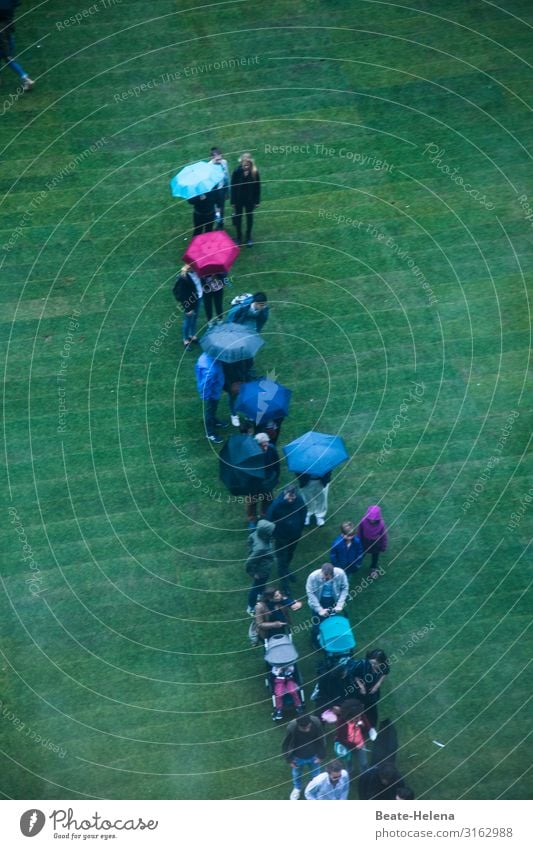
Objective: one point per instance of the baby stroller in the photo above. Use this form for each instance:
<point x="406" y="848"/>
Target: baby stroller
<point x="336" y="637"/>
<point x="283" y="677"/>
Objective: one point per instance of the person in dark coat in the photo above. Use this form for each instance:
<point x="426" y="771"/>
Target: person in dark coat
<point x="245" y="195"/>
<point x="368" y="676"/>
<point x="188" y="292"/>
<point x="287" y="511"/>
<point x="7" y="42"/>
<point x="380" y="782"/>
<point x="346" y="550"/>
<point x="263" y="493"/>
<point x="203" y="216"/>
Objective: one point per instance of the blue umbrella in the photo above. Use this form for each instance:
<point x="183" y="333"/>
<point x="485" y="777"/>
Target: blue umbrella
<point x="315" y="453"/>
<point x="231" y="343"/>
<point x="262" y="400"/>
<point x="196" y="179"/>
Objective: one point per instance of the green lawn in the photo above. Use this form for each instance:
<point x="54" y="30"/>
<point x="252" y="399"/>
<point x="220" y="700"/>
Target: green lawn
<point x="128" y="653"/>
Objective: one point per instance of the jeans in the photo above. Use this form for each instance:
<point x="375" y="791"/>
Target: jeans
<point x="7" y="48"/>
<point x="210" y="416"/>
<point x="361" y="756"/>
<point x="189" y="321"/>
<point x="256" y="590"/>
<point x="297" y="770"/>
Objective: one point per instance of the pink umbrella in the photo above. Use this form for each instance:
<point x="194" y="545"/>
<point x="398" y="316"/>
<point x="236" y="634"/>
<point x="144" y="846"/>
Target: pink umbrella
<point x="211" y="253"/>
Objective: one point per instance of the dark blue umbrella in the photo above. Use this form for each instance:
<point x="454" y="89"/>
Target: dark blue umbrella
<point x="242" y="465"/>
<point x="315" y="453"/>
<point x="262" y="400"/>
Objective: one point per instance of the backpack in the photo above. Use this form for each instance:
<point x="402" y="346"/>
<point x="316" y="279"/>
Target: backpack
<point x="241" y="299"/>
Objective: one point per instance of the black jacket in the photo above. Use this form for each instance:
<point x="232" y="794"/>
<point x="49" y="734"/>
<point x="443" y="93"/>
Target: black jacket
<point x="297" y="744"/>
<point x="245" y="190"/>
<point x="289" y="517"/>
<point x="185" y="291"/>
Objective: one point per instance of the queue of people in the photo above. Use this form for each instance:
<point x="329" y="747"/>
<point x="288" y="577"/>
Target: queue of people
<point x="347" y="692"/>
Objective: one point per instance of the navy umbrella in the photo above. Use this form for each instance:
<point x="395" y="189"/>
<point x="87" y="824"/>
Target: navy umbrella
<point x="262" y="400"/>
<point x="242" y="465"/>
<point x="315" y="453"/>
<point x="231" y="342"/>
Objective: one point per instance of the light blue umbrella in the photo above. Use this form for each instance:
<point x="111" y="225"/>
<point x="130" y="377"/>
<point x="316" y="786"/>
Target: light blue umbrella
<point x="315" y="453"/>
<point x="196" y="179"/>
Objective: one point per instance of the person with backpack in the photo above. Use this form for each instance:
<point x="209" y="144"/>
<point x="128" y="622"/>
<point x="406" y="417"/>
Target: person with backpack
<point x="303" y="746"/>
<point x="209" y="382"/>
<point x="245" y="195"/>
<point x="252" y="311"/>
<point x="7" y="42"/>
<point x="260" y="560"/>
<point x="188" y="292"/>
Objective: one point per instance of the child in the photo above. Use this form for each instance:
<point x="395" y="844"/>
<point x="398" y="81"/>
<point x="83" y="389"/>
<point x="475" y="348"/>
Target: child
<point x="209" y="381"/>
<point x="352" y="729"/>
<point x="347" y="550"/>
<point x="284" y="683"/>
<point x="373" y="535"/>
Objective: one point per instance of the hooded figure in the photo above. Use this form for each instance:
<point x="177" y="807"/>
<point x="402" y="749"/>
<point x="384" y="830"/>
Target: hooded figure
<point x="260" y="560"/>
<point x="373" y="536"/>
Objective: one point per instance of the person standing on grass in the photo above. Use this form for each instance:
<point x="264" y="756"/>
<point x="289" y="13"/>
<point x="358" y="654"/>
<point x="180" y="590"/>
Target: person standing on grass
<point x="347" y="550"/>
<point x="303" y="746"/>
<point x="368" y="676"/>
<point x="373" y="536"/>
<point x="7" y="42"/>
<point x="221" y="190"/>
<point x="203" y="216"/>
<point x="245" y="195"/>
<point x="327" y="590"/>
<point x="314" y="492"/>
<point x="330" y="785"/>
<point x="260" y="560"/>
<point x="188" y="292"/>
<point x="252" y="312"/>
<point x="263" y="494"/>
<point x="272" y="613"/>
<point x="351" y="733"/>
<point x="209" y="381"/>
<point x="213" y="292"/>
<point x="287" y="511"/>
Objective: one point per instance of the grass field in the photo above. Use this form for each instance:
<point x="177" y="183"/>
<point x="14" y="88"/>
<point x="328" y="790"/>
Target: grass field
<point x="394" y="241"/>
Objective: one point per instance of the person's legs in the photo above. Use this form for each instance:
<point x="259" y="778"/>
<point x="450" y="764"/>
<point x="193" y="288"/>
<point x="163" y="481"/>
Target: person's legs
<point x="249" y="222"/>
<point x="251" y="509"/>
<point x="292" y="688"/>
<point x="197" y="223"/>
<point x="238" y="221"/>
<point x="218" y="298"/>
<point x="279" y="691"/>
<point x="194" y="318"/>
<point x="208" y="305"/>
<point x="187" y="327"/>
<point x="256" y="590"/>
<point x="210" y="416"/>
<point x="7" y="49"/>
<point x="362" y="760"/>
<point x="297" y="772"/>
